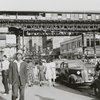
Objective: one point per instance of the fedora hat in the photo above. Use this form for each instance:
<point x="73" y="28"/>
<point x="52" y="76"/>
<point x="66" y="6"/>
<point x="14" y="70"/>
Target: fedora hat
<point x="19" y="52"/>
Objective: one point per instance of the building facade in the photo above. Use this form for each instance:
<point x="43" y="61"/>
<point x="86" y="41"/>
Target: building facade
<point x="51" y="45"/>
<point x="7" y="45"/>
<point x="73" y="47"/>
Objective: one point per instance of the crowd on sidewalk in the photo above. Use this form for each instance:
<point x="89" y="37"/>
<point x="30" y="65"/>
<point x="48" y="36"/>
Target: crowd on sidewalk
<point x="19" y="73"/>
<point x="42" y="71"/>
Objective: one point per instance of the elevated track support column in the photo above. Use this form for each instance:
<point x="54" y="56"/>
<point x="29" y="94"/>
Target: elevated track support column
<point x="17" y="42"/>
<point x="23" y="40"/>
<point x="83" y="48"/>
<point x="94" y="45"/>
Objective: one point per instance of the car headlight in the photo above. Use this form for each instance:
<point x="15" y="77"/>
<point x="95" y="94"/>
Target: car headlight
<point x="78" y="72"/>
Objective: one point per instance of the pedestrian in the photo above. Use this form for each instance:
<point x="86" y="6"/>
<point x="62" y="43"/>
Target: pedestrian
<point x="48" y="72"/>
<point x="5" y="67"/>
<point x="44" y="64"/>
<point x="36" y="71"/>
<point x="97" y="69"/>
<point x="53" y="70"/>
<point x="18" y="76"/>
<point x="41" y="73"/>
<point x="10" y="67"/>
<point x="30" y="73"/>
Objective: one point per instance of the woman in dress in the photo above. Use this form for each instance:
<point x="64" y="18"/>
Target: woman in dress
<point x="48" y="72"/>
<point x="35" y="69"/>
<point x="53" y="70"/>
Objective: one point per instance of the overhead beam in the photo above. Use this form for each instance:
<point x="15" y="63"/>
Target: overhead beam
<point x="35" y="12"/>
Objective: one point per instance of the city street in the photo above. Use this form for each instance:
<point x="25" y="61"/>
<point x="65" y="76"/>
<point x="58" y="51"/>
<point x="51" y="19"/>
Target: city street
<point x="50" y="41"/>
<point x="58" y="92"/>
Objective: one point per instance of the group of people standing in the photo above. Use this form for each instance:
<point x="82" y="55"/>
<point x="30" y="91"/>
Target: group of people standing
<point x="42" y="71"/>
<point x="19" y="74"/>
<point x="14" y="75"/>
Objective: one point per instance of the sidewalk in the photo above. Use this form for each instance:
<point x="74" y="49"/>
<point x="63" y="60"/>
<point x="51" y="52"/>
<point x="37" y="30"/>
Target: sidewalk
<point x="58" y="92"/>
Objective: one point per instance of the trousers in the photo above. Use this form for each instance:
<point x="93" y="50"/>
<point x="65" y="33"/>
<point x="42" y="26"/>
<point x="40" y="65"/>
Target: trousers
<point x="5" y="81"/>
<point x="15" y="88"/>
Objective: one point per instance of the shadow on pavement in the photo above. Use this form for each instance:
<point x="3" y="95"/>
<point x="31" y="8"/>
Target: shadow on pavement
<point x="75" y="91"/>
<point x="1" y="98"/>
<point x="43" y="98"/>
<point x="95" y="99"/>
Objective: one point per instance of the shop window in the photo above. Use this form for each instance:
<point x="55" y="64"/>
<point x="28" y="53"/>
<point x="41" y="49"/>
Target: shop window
<point x="92" y="42"/>
<point x="97" y="42"/>
<point x="80" y="16"/>
<point x="89" y="16"/>
<point x="79" y="43"/>
<point x="73" y="45"/>
<point x="67" y="47"/>
<point x="88" y="44"/>
<point x="63" y="48"/>
<point x="97" y="17"/>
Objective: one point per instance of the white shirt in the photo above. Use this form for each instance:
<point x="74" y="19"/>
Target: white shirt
<point x="53" y="65"/>
<point x="5" y="65"/>
<point x="18" y="64"/>
<point x="53" y="68"/>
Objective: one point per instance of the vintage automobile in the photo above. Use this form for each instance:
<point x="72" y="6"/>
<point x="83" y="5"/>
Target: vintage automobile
<point x="76" y="73"/>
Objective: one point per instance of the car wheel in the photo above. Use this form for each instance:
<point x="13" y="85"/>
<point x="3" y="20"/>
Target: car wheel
<point x="72" y="82"/>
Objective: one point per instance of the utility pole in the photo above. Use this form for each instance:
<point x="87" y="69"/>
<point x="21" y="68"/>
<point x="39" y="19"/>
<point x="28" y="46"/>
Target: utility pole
<point x="83" y="48"/>
<point x="23" y="40"/>
<point x="94" y="46"/>
<point x="18" y="41"/>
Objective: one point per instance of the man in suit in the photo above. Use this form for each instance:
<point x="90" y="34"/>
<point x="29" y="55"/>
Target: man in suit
<point x="18" y="76"/>
<point x="5" y="67"/>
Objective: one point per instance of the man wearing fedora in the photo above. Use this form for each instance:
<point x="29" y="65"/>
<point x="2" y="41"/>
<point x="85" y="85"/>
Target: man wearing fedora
<point x="18" y="76"/>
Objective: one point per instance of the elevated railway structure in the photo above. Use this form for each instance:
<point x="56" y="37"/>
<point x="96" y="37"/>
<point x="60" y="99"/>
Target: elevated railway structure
<point x="42" y="23"/>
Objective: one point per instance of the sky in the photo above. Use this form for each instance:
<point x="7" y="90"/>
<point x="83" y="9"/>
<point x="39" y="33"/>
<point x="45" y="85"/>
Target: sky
<point x="50" y="5"/>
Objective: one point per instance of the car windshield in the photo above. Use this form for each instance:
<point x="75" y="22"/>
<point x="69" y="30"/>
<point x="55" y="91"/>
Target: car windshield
<point x="78" y="64"/>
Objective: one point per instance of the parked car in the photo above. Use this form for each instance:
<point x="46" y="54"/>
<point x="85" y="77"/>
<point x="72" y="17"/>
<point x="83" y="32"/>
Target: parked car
<point x="76" y="72"/>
